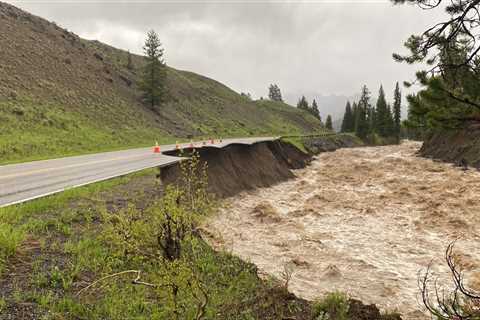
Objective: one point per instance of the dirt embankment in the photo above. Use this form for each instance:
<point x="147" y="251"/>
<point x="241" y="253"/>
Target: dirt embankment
<point x="316" y="145"/>
<point x="460" y="147"/>
<point x="238" y="167"/>
<point x="242" y="167"/>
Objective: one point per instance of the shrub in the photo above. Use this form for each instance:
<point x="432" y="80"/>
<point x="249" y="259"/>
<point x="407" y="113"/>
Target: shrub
<point x="333" y="307"/>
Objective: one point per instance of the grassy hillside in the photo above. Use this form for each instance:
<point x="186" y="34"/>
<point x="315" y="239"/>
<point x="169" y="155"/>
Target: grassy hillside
<point x="60" y="94"/>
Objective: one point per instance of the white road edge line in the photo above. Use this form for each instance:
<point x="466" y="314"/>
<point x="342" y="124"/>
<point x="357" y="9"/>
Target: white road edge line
<point x="89" y="182"/>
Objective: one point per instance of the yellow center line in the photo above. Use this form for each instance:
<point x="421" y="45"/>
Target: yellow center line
<point x="27" y="173"/>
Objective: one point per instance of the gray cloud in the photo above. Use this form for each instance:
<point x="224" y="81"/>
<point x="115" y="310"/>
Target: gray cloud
<point x="324" y="47"/>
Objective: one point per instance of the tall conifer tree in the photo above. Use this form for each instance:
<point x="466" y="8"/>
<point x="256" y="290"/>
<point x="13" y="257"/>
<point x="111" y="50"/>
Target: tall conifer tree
<point x="155" y="72"/>
<point x="381" y="120"/>
<point x="362" y="125"/>
<point x="329" y="123"/>
<point x="348" y="123"/>
<point x="274" y="93"/>
<point x="303" y="104"/>
<point x="315" y="111"/>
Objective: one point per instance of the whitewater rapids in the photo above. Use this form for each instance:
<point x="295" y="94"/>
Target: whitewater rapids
<point x="364" y="221"/>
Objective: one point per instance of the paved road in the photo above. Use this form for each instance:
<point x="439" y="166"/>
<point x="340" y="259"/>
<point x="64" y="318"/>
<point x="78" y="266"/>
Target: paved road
<point x="27" y="181"/>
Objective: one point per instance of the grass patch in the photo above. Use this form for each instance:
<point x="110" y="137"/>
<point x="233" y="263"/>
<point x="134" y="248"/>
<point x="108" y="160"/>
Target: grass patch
<point x="51" y="214"/>
<point x="297" y="142"/>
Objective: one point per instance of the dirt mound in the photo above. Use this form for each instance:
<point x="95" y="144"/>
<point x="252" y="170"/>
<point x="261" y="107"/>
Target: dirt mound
<point x="359" y="311"/>
<point x="237" y="167"/>
<point x="454" y="146"/>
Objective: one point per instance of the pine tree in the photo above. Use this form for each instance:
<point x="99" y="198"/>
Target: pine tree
<point x="328" y="123"/>
<point x="129" y="61"/>
<point x="354" y="113"/>
<point x="397" y="112"/>
<point x="155" y="72"/>
<point x="247" y="95"/>
<point x="348" y="123"/>
<point x="303" y="104"/>
<point x="381" y="120"/>
<point x="274" y="93"/>
<point x="271" y="92"/>
<point x="315" y="111"/>
<point x="362" y="126"/>
<point x="389" y="124"/>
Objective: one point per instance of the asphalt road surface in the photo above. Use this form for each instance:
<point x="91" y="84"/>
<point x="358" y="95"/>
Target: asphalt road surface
<point x="31" y="180"/>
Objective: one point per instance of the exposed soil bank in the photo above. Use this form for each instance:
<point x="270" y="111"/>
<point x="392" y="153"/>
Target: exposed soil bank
<point x="238" y="167"/>
<point x="242" y="167"/>
<point x="453" y="146"/>
<point x="316" y="145"/>
<point x="363" y="221"/>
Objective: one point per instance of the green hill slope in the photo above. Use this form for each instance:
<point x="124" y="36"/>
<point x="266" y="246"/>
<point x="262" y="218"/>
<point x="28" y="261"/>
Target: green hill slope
<point x="60" y="95"/>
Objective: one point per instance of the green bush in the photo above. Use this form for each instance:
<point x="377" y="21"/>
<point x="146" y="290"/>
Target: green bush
<point x="333" y="307"/>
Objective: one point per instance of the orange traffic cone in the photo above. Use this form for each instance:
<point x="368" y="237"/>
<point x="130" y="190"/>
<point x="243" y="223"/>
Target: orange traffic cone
<point x="156" y="149"/>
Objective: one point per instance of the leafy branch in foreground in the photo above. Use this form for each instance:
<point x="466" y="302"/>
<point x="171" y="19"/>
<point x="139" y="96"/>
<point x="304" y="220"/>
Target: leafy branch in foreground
<point x="460" y="303"/>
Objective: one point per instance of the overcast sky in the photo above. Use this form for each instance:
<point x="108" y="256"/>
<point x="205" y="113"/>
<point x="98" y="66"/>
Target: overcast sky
<point x="321" y="47"/>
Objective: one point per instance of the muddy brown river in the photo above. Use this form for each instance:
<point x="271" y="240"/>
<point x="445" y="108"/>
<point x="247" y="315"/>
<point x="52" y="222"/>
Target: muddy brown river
<point x="363" y="221"/>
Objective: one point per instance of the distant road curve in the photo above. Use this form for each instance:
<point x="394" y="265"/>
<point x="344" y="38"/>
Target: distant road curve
<point x="26" y="181"/>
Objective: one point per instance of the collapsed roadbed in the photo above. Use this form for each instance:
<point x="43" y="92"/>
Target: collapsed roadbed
<point x="239" y="167"/>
